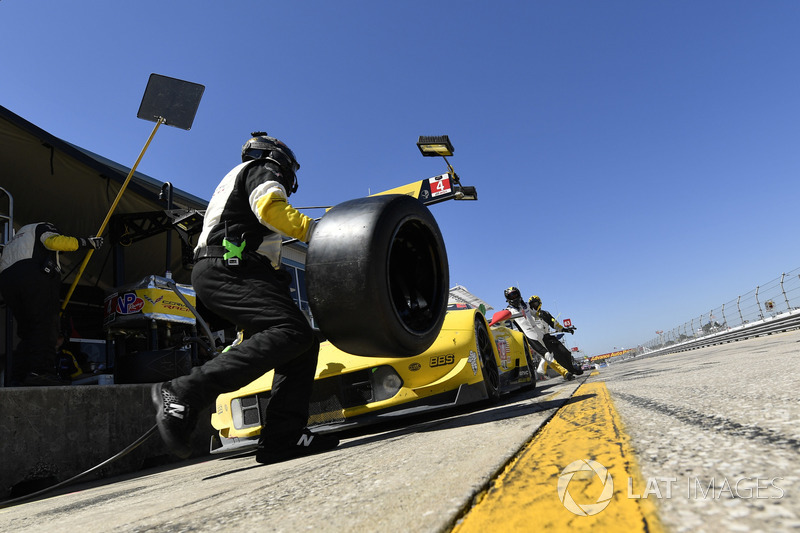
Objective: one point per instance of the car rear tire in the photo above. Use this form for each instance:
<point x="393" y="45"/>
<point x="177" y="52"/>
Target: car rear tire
<point x="377" y="276"/>
<point x="491" y="374"/>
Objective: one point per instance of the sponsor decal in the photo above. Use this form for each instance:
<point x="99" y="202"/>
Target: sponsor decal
<point x="414" y="367"/>
<point x="504" y="351"/>
<point x="440" y="185"/>
<point x="473" y="361"/>
<point x="154" y="302"/>
<point x="442" y="360"/>
<point x="612" y="354"/>
<point x="171" y="305"/>
<point x="129" y="303"/>
<point x="109" y="308"/>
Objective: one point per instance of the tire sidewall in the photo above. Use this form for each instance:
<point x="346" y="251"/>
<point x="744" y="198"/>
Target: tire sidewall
<point x="349" y="277"/>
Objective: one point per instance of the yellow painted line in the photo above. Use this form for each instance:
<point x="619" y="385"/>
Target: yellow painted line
<point x="587" y="436"/>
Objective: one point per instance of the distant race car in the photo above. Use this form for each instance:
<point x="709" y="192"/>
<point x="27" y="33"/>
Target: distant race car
<point x="469" y="362"/>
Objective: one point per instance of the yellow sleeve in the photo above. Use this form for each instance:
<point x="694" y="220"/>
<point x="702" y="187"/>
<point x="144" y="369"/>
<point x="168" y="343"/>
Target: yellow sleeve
<point x="276" y="213"/>
<point x="61" y="243"/>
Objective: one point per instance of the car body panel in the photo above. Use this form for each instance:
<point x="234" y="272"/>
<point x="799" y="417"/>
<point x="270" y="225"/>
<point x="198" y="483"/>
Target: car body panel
<point x="354" y="390"/>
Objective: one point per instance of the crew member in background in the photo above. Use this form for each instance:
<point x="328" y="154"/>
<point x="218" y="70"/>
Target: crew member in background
<point x="534" y="332"/>
<point x="551" y="342"/>
<point x="237" y="275"/>
<point x="30" y="281"/>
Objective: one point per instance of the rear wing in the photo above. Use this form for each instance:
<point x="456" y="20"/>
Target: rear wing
<point x="436" y="189"/>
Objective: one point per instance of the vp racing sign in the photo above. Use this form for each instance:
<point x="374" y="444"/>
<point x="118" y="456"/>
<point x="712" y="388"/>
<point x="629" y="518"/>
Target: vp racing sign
<point x="147" y="301"/>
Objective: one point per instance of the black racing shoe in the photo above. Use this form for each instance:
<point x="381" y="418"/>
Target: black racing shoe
<point x="175" y="418"/>
<point x="568" y="376"/>
<point x="308" y="443"/>
<point x="578" y="371"/>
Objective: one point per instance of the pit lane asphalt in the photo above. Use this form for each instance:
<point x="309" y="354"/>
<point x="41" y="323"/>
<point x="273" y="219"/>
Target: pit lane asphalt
<point x="714" y="417"/>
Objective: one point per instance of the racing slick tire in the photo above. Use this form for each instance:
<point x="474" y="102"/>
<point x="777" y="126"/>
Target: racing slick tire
<point x="377" y="276"/>
<point x="491" y="374"/>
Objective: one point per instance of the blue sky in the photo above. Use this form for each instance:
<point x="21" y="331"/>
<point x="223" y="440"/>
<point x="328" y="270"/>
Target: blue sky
<point x="636" y="161"/>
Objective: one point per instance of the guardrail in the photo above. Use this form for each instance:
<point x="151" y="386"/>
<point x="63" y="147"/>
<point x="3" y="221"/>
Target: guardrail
<point x="770" y="308"/>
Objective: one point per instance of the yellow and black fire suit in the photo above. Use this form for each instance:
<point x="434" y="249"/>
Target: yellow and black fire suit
<point x="237" y="276"/>
<point x="30" y="280"/>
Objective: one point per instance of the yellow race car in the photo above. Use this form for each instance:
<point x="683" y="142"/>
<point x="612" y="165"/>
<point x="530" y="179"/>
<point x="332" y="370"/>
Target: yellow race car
<point x="469" y="362"/>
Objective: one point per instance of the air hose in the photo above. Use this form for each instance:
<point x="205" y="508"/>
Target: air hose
<point x="126" y="451"/>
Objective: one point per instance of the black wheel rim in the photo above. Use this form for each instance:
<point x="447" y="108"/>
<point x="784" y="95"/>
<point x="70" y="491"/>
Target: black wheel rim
<point x="414" y="268"/>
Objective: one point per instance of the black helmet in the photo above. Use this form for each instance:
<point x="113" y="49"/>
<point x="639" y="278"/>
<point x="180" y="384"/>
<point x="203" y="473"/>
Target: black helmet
<point x="262" y="146"/>
<point x="512" y="295"/>
<point x="535" y="303"/>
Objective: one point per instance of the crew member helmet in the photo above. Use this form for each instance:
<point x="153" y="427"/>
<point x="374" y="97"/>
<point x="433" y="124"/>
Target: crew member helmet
<point x="513" y="295"/>
<point x="535" y="303"/>
<point x="262" y="146"/>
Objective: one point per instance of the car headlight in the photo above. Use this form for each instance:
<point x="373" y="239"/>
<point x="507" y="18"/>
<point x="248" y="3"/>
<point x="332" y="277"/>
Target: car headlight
<point x="246" y="411"/>
<point x="386" y="382"/>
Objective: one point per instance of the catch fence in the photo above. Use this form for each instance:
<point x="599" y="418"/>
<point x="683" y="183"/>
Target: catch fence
<point x="769" y="308"/>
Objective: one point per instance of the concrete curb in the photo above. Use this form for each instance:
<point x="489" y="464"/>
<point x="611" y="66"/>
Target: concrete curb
<point x="50" y="434"/>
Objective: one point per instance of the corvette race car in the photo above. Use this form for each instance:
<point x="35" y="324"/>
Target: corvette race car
<point x="469" y="362"/>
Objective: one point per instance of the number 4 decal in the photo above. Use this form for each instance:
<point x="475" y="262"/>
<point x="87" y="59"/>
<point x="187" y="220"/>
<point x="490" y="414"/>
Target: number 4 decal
<point x="440" y="185"/>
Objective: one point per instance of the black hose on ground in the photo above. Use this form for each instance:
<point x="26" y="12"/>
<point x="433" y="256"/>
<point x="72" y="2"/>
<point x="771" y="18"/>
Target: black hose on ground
<point x="211" y="348"/>
<point x="126" y="451"/>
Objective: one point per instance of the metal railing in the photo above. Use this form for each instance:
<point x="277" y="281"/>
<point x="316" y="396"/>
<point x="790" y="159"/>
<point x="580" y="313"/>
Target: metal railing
<point x="769" y="308"/>
<point x="7" y="323"/>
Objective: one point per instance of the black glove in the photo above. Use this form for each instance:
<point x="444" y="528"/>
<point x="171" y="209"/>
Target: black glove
<point x="90" y="242"/>
<point x="570" y="330"/>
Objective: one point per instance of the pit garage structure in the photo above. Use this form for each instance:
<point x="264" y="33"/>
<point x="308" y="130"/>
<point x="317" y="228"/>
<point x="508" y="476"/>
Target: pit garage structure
<point x="152" y="230"/>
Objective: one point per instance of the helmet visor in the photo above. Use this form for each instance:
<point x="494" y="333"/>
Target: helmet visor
<point x="263" y="153"/>
<point x="513" y="295"/>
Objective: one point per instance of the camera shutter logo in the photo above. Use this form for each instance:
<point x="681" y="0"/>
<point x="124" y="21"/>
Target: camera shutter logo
<point x="585" y="509"/>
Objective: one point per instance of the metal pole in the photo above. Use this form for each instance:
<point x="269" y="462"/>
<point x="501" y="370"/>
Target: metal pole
<point x="8" y="233"/>
<point x="788" y="307"/>
<point x="739" y="307"/>
<point x="108" y="215"/>
<point x="8" y="224"/>
<point x="760" y="313"/>
<point x="168" y="187"/>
